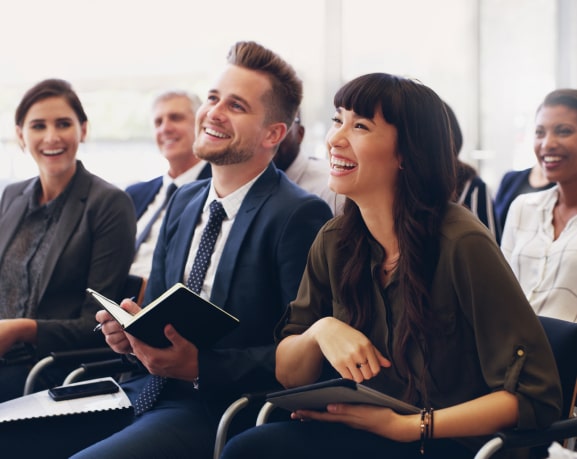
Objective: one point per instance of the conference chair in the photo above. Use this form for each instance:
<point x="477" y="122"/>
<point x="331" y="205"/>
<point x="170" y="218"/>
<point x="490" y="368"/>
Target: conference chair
<point x="89" y="363"/>
<point x="562" y="337"/>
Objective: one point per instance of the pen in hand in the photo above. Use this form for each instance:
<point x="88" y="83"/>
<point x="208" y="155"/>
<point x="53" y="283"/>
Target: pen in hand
<point x="99" y="325"/>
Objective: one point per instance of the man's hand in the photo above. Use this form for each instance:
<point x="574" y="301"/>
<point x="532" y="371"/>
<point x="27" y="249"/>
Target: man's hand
<point x="179" y="361"/>
<point x="113" y="332"/>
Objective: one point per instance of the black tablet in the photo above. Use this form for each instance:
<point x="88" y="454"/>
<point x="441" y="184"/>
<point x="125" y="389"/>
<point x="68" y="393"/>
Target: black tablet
<point x="317" y="396"/>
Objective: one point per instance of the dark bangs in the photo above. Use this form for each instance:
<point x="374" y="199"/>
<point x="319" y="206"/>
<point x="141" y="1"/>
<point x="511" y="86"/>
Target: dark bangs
<point x="365" y="94"/>
<point x="423" y="134"/>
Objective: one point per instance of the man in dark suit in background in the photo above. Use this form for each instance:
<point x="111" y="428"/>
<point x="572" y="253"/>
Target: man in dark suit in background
<point x="173" y="114"/>
<point x="255" y="270"/>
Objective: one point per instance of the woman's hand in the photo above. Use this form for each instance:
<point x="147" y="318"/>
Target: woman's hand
<point x="348" y="350"/>
<point x="14" y="331"/>
<point x="484" y="415"/>
<point x="378" y="420"/>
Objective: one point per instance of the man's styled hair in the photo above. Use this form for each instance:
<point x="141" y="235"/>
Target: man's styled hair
<point x="286" y="95"/>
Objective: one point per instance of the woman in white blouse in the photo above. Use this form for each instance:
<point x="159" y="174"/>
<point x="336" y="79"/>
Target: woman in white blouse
<point x="540" y="235"/>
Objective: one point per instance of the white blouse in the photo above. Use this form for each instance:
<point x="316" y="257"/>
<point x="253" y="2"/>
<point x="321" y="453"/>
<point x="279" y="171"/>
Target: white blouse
<point x="546" y="268"/>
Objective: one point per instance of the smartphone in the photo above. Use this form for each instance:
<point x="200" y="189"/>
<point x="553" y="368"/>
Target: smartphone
<point x="83" y="390"/>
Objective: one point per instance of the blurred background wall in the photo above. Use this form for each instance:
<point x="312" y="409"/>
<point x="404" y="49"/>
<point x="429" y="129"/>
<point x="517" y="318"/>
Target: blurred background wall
<point x="491" y="60"/>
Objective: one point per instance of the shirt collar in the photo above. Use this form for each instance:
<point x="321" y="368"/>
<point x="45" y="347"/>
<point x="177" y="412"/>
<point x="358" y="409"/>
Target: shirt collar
<point x="544" y="200"/>
<point x="233" y="201"/>
<point x="186" y="177"/>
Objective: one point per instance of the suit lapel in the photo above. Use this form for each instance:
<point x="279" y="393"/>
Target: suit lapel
<point x="253" y="201"/>
<point x="206" y="172"/>
<point x="72" y="212"/>
<point x="149" y="192"/>
<point x="11" y="219"/>
<point x="176" y="263"/>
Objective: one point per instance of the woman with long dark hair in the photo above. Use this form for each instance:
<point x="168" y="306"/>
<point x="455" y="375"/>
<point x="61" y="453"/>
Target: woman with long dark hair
<point x="408" y="293"/>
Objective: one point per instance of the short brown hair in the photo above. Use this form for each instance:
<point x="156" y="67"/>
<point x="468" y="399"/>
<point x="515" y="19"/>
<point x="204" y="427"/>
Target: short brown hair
<point x="287" y="89"/>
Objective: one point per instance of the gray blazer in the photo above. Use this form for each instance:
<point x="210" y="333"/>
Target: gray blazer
<point x="93" y="247"/>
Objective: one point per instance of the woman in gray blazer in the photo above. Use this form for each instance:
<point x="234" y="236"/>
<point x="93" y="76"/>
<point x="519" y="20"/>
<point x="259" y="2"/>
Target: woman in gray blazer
<point x="60" y="233"/>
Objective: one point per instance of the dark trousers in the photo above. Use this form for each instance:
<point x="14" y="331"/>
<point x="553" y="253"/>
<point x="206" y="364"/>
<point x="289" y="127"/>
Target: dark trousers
<point x="182" y="424"/>
<point x="313" y="440"/>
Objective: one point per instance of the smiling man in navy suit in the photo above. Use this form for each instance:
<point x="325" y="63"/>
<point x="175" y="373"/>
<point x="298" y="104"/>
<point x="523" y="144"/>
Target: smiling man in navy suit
<point x="173" y="115"/>
<point x="254" y="271"/>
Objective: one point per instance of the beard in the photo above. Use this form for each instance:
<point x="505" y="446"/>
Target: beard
<point x="224" y="157"/>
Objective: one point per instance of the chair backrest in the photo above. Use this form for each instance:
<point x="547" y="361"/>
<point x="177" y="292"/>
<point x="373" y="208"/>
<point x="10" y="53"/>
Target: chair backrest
<point x="562" y="337"/>
<point x="134" y="287"/>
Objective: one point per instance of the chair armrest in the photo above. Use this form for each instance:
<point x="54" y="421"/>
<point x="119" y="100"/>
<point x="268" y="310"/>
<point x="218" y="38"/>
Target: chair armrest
<point x="100" y="368"/>
<point x="18" y="354"/>
<point x="566" y="428"/>
<point x="65" y="358"/>
<point x="224" y="423"/>
<point x="558" y="431"/>
<point x="79" y="356"/>
<point x="264" y="413"/>
<point x="226" y="419"/>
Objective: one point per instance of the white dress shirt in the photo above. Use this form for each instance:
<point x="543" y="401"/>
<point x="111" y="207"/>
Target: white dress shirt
<point x="142" y="262"/>
<point x="231" y="204"/>
<point x="312" y="175"/>
<point x="546" y="268"/>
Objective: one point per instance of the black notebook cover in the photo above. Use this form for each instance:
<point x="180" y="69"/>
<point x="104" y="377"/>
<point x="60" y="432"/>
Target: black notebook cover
<point x="317" y="396"/>
<point x="195" y="318"/>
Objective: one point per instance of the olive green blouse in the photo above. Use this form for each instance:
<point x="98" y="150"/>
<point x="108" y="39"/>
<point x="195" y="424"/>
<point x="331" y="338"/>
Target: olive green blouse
<point x="487" y="337"/>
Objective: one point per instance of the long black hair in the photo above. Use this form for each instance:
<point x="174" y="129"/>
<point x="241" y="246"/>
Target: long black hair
<point x="425" y="186"/>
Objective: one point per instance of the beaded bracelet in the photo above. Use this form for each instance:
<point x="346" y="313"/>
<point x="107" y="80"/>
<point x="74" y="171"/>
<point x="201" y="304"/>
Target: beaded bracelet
<point x="426" y="427"/>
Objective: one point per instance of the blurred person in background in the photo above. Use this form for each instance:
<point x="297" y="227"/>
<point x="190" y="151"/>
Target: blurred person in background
<point x="471" y="190"/>
<point x="515" y="183"/>
<point x="308" y="172"/>
<point x="173" y="115"/>
<point x="540" y="235"/>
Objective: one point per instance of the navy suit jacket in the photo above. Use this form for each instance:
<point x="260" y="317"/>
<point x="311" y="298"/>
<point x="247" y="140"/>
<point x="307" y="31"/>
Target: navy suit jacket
<point x="143" y="193"/>
<point x="258" y="274"/>
<point x="512" y="185"/>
